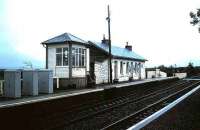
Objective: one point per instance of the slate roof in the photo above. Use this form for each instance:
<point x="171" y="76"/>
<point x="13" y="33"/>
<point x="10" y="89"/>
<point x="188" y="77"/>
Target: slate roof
<point x="63" y="38"/>
<point x="118" y="51"/>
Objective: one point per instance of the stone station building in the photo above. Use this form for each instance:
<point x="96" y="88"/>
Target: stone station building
<point x="76" y="62"/>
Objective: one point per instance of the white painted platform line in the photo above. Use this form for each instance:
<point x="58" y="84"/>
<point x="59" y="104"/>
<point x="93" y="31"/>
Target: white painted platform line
<point x="141" y="82"/>
<point x="191" y="79"/>
<point x="40" y="99"/>
<point x="154" y="116"/>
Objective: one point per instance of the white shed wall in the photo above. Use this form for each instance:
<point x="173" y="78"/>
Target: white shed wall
<point x="180" y="75"/>
<point x="156" y="74"/>
<point x="101" y="71"/>
<point x="125" y="76"/>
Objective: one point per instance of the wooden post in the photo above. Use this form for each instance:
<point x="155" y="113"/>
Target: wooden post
<point x="109" y="38"/>
<point x="70" y="61"/>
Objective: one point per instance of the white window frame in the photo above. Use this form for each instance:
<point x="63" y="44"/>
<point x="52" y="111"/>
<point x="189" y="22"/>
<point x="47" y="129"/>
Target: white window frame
<point x="62" y="53"/>
<point x="78" y="55"/>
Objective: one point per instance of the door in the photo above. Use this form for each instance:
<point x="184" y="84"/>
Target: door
<point x="115" y="70"/>
<point x="92" y="71"/>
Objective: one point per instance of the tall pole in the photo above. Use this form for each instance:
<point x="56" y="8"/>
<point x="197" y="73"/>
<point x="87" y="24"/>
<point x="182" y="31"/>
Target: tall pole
<point x="109" y="40"/>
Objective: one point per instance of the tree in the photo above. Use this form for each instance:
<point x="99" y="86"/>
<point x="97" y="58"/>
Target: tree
<point x="190" y="65"/>
<point x="190" y="69"/>
<point x="195" y="18"/>
<point x="161" y="67"/>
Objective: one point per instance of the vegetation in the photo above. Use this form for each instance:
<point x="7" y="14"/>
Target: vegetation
<point x="195" y="16"/>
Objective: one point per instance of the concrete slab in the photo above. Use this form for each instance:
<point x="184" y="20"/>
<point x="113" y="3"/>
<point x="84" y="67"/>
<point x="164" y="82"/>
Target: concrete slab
<point x="12" y="83"/>
<point x="45" y="81"/>
<point x="30" y="82"/>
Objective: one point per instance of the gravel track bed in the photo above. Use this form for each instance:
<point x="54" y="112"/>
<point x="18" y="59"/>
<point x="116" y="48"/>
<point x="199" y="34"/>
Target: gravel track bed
<point x="117" y="113"/>
<point x="138" y="92"/>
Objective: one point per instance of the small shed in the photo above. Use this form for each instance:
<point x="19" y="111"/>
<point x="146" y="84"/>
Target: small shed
<point x="68" y="57"/>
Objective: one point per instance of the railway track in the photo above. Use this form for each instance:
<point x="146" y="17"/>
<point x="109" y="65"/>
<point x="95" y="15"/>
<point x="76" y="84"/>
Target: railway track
<point x="82" y="112"/>
<point x="139" y="115"/>
<point x="104" y="106"/>
<point x="96" y="115"/>
<point x="106" y="114"/>
<point x="75" y="109"/>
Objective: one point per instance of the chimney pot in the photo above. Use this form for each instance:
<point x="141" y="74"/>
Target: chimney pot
<point x="105" y="41"/>
<point x="128" y="47"/>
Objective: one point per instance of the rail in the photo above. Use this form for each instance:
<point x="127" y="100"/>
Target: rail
<point x="156" y="115"/>
<point x="98" y="112"/>
<point x="120" y="102"/>
<point x="148" y="110"/>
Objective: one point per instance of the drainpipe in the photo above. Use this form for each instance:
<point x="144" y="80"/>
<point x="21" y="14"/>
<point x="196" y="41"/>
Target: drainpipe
<point x="70" y="61"/>
<point x="45" y="46"/>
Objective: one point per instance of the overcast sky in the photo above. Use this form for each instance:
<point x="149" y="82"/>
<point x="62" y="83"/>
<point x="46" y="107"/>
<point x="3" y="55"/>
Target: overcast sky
<point x="159" y="30"/>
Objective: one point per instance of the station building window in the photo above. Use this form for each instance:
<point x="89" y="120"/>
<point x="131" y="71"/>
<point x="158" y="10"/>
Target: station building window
<point x="141" y="65"/>
<point x="78" y="57"/>
<point x="121" y="67"/>
<point x="136" y="66"/>
<point x="132" y="67"/>
<point x="62" y="57"/>
<point x="127" y="67"/>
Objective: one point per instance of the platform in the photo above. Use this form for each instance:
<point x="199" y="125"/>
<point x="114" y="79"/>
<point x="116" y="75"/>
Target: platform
<point x="68" y="93"/>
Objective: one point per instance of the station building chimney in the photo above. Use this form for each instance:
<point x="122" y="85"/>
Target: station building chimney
<point x="128" y="47"/>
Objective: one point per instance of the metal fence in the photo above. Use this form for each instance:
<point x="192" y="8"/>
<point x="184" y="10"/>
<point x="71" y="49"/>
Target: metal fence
<point x="1" y="87"/>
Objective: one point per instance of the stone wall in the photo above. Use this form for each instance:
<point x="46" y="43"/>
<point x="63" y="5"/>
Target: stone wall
<point x="101" y="71"/>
